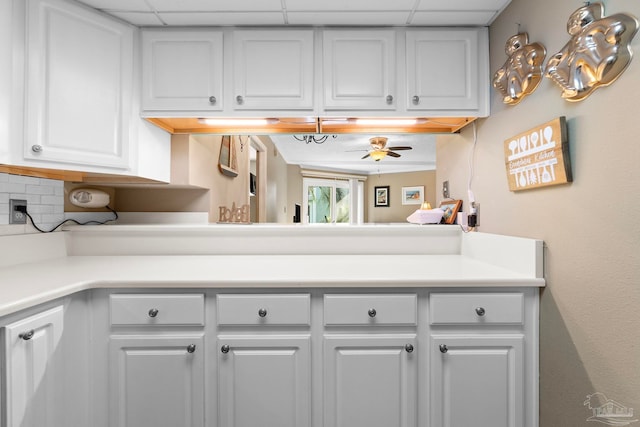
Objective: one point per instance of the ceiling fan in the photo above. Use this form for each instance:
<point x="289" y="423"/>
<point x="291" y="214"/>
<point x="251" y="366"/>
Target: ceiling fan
<point x="379" y="149"/>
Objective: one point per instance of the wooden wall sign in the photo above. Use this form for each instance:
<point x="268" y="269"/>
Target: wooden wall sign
<point x="538" y="157"/>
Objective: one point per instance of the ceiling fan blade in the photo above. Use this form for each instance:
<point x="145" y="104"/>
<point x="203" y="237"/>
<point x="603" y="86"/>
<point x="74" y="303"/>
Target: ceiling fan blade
<point x="365" y="156"/>
<point x="400" y="148"/>
<point x="392" y="154"/>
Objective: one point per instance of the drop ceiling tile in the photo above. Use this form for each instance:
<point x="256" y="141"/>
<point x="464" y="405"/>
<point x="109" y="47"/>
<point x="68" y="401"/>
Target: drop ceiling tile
<point x="140" y="19"/>
<point x="216" y="5"/>
<point x="223" y="18"/>
<point x="348" y="5"/>
<point x="123" y="5"/>
<point x="348" y="18"/>
<point x="453" y="18"/>
<point x="463" y="5"/>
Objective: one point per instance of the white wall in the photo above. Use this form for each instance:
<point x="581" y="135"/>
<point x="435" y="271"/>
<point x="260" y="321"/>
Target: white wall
<point x="589" y="318"/>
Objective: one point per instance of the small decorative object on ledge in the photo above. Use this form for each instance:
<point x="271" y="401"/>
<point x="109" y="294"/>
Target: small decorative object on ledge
<point x="228" y="162"/>
<point x="522" y="72"/>
<point x="450" y="208"/>
<point x="234" y="215"/>
<point x="538" y="157"/>
<point x="597" y="53"/>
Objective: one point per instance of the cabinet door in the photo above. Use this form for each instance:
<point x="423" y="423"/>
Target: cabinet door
<point x="273" y="70"/>
<point x="359" y="70"/>
<point x="79" y="86"/>
<point x="156" y="381"/>
<point x="370" y="381"/>
<point x="264" y="381"/>
<point x="477" y="381"/>
<point x="445" y="68"/>
<point x="182" y="70"/>
<point x="30" y="371"/>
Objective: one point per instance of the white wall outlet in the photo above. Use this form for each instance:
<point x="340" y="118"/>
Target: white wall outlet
<point x="16" y="216"/>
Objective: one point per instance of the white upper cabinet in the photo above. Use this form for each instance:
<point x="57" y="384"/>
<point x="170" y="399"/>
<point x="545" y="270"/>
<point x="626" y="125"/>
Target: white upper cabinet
<point x="447" y="71"/>
<point x="78" y="88"/>
<point x="182" y="70"/>
<point x="273" y="70"/>
<point x="359" y="69"/>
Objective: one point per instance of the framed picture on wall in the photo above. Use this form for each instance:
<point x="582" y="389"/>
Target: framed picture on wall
<point x="413" y="195"/>
<point x="381" y="196"/>
<point x="450" y="208"/>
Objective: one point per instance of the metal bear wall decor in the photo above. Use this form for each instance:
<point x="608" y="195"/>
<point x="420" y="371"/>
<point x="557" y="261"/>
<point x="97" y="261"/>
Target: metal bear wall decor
<point x="521" y="73"/>
<point x="597" y="53"/>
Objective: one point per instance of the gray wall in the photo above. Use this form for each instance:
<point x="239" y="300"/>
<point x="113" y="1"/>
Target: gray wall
<point x="589" y="318"/>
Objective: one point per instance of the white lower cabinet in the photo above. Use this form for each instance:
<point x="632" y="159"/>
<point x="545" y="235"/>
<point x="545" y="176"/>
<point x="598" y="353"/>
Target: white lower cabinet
<point x="477" y="381"/>
<point x="386" y="358"/>
<point x="30" y="375"/>
<point x="264" y="381"/>
<point x="157" y="381"/>
<point x="370" y="380"/>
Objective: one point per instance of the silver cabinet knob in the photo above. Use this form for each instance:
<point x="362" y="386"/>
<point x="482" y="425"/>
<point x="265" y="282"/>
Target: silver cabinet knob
<point x="212" y="100"/>
<point x="191" y="348"/>
<point x="225" y="349"/>
<point x="443" y="348"/>
<point x="480" y="311"/>
<point x="27" y="335"/>
<point x="408" y="348"/>
<point x="372" y="312"/>
<point x="415" y="100"/>
<point x="262" y="312"/>
<point x="389" y="99"/>
<point x="239" y="100"/>
<point x="36" y="148"/>
<point x="153" y="312"/>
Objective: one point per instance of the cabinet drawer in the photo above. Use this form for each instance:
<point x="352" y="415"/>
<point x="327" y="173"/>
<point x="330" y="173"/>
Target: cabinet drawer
<point x="370" y="310"/>
<point x="157" y="309"/>
<point x="281" y="309"/>
<point x="495" y="308"/>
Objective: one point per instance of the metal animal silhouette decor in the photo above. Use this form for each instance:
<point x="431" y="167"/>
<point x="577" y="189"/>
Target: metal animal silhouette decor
<point x="597" y="53"/>
<point x="522" y="72"/>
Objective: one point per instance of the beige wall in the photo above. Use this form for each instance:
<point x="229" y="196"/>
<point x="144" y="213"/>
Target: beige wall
<point x="589" y="318"/>
<point x="396" y="211"/>
<point x="276" y="184"/>
<point x="194" y="163"/>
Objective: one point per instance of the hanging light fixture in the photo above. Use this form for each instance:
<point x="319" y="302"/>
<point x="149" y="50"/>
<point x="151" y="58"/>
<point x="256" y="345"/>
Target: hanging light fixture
<point x="318" y="138"/>
<point x="378" y="155"/>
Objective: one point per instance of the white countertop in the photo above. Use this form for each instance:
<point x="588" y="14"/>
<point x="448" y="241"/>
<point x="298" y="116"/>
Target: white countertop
<point x="53" y="273"/>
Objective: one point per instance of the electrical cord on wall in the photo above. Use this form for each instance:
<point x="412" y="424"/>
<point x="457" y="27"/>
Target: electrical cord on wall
<point x="472" y="218"/>
<point x="23" y="209"/>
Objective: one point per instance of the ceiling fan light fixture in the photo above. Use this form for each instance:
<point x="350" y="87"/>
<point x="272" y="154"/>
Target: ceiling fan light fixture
<point x="378" y="155"/>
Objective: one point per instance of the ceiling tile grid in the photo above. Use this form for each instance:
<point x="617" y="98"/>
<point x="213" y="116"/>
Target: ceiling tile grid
<point x="302" y="12"/>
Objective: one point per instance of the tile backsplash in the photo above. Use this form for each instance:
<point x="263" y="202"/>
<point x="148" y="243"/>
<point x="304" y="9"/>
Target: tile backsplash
<point x="45" y="201"/>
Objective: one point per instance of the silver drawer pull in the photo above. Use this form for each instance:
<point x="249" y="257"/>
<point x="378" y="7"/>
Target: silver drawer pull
<point x="36" y="148"/>
<point x="443" y="348"/>
<point x="239" y="100"/>
<point x="262" y="312"/>
<point x="153" y="312"/>
<point x="27" y="335"/>
<point x="415" y="100"/>
<point x="389" y="99"/>
<point x="480" y="311"/>
<point x="372" y="312"/>
<point x="408" y="348"/>
<point x="191" y="348"/>
<point x="212" y="100"/>
<point x="225" y="349"/>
